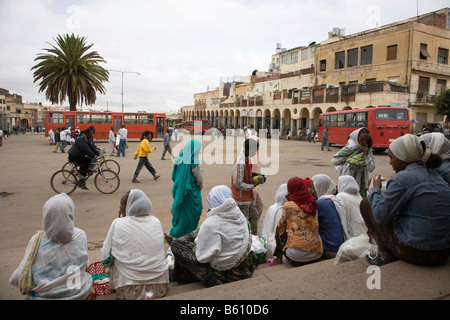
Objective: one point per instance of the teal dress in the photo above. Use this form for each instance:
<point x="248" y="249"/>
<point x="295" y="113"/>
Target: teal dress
<point x="187" y="199"/>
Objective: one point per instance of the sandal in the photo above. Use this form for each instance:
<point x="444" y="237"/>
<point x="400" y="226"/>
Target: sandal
<point x="270" y="262"/>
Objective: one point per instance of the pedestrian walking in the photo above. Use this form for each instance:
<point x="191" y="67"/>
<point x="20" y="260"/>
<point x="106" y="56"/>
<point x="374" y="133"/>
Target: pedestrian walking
<point x="122" y="136"/>
<point x="325" y="140"/>
<point x="142" y="152"/>
<point x="167" y="147"/>
<point x="57" y="140"/>
<point x="62" y="137"/>
<point x="112" y="141"/>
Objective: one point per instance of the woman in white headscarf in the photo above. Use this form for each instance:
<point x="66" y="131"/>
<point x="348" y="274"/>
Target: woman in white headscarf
<point x="348" y="194"/>
<point x="411" y="219"/>
<point x="59" y="267"/>
<point x="273" y="214"/>
<point x="331" y="213"/>
<point x="439" y="145"/>
<point x="219" y="251"/>
<point x="135" y="243"/>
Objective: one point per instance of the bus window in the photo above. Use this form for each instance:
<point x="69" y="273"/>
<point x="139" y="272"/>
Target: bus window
<point x="130" y="119"/>
<point x="146" y="119"/>
<point x="98" y="118"/>
<point x="391" y="114"/>
<point x="350" y="119"/>
<point x="55" y="117"/>
<point x="83" y="118"/>
<point x="341" y="120"/>
<point x="361" y="119"/>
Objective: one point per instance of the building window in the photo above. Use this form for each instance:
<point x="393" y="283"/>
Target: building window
<point x="294" y="57"/>
<point x="305" y="55"/>
<point x="392" y="52"/>
<point x="352" y="57"/>
<point x="443" y="55"/>
<point x="441" y="85"/>
<point x="285" y="59"/>
<point x="339" y="60"/>
<point x="366" y="55"/>
<point x="424" y="85"/>
<point x="323" y="65"/>
<point x="424" y="51"/>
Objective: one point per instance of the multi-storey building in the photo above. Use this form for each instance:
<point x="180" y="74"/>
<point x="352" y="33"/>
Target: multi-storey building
<point x="403" y="64"/>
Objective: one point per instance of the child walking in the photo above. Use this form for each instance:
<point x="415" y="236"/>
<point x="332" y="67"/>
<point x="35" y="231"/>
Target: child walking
<point x="142" y="152"/>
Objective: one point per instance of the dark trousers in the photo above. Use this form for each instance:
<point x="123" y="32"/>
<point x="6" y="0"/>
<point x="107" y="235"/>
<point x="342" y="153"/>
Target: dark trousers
<point x="143" y="161"/>
<point x="388" y="242"/>
<point x="83" y="162"/>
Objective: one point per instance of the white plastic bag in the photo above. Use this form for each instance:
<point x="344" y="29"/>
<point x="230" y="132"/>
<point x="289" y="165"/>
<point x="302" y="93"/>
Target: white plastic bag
<point x="271" y="244"/>
<point x="354" y="248"/>
<point x="257" y="245"/>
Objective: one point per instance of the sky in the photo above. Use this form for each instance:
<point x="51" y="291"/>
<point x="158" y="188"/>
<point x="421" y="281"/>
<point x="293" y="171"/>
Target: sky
<point x="178" y="47"/>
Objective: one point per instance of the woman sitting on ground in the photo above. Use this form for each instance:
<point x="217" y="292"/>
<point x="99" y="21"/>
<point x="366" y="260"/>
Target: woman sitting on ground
<point x="134" y="250"/>
<point x="219" y="251"/>
<point x="348" y="195"/>
<point x="439" y="145"/>
<point x="330" y="211"/>
<point x="59" y="267"/>
<point x="298" y="238"/>
<point x="273" y="214"/>
<point x="410" y="220"/>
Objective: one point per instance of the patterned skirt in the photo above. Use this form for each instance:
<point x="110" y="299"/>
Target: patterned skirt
<point x="189" y="270"/>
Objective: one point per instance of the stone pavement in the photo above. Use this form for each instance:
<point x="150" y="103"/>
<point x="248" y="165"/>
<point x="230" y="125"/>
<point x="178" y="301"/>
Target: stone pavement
<point x="324" y="280"/>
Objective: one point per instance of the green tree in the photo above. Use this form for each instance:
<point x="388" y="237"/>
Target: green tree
<point x="442" y="103"/>
<point x="67" y="70"/>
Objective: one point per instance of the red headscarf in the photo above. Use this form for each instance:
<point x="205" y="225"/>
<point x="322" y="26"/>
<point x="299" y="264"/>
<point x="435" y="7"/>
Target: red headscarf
<point x="299" y="193"/>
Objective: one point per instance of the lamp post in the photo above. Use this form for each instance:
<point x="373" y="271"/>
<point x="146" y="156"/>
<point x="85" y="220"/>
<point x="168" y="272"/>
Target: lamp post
<point x="122" y="79"/>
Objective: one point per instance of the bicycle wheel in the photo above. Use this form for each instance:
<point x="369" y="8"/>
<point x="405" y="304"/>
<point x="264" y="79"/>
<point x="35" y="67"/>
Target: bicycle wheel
<point x="63" y="181"/>
<point x="69" y="166"/>
<point x="107" y="181"/>
<point x="112" y="165"/>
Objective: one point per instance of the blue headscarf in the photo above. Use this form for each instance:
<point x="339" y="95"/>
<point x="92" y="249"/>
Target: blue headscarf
<point x="187" y="199"/>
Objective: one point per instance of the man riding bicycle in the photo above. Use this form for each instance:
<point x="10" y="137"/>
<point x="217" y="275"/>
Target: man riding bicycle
<point x="84" y="154"/>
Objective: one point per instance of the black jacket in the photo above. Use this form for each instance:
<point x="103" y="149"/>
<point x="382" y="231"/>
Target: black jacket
<point x="82" y="147"/>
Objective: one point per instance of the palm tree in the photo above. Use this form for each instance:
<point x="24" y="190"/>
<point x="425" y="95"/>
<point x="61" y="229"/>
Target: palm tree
<point x="68" y="71"/>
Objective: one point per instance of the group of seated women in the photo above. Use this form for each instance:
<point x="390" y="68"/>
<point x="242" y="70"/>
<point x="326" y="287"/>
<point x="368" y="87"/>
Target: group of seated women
<point x="310" y="220"/>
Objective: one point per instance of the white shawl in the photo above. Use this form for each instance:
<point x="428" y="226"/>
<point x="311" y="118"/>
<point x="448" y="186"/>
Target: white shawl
<point x="348" y="193"/>
<point x="137" y="244"/>
<point x="274" y="212"/>
<point x="223" y="238"/>
<point x="58" y="270"/>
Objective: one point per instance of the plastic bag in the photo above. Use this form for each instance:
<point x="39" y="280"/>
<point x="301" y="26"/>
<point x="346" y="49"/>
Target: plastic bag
<point x="355" y="248"/>
<point x="271" y="244"/>
<point x="258" y="250"/>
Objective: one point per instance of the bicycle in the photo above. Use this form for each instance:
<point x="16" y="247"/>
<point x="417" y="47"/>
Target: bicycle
<point x="66" y="181"/>
<point x="110" y="164"/>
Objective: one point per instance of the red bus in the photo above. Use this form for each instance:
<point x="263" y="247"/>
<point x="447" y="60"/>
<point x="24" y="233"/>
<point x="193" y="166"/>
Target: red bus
<point x="384" y="122"/>
<point x="196" y="126"/>
<point x="135" y="122"/>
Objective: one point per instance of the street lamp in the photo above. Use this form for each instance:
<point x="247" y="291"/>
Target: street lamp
<point x="122" y="80"/>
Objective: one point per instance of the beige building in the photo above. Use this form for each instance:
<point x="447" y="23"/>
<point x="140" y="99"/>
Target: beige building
<point x="14" y="113"/>
<point x="403" y="64"/>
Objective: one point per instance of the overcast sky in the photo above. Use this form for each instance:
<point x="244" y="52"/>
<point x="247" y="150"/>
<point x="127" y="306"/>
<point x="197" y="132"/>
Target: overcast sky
<point x="179" y="47"/>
